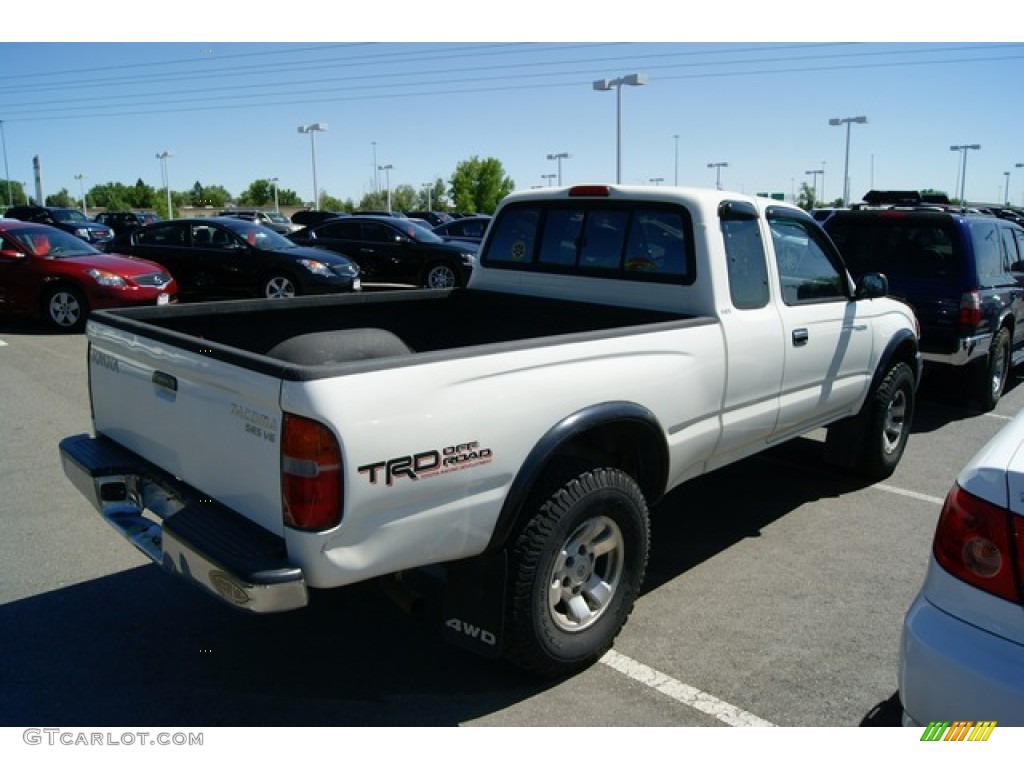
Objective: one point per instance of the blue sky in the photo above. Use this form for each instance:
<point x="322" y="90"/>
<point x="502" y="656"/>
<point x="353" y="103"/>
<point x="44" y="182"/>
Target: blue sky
<point x="228" y="108"/>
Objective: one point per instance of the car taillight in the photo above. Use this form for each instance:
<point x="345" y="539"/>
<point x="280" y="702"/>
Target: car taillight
<point x="980" y="543"/>
<point x="311" y="480"/>
<point x="970" y="309"/>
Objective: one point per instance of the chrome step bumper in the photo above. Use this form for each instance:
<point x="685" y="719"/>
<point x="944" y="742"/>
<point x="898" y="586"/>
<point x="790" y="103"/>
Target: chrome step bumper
<point x="189" y="535"/>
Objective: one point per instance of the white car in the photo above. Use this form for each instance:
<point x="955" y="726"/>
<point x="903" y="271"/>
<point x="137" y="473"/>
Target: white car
<point x="962" y="651"/>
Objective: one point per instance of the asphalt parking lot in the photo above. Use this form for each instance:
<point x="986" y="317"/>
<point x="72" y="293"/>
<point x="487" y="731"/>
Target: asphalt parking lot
<point x="775" y="595"/>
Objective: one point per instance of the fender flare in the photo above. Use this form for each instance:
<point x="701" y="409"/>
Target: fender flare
<point x="616" y="414"/>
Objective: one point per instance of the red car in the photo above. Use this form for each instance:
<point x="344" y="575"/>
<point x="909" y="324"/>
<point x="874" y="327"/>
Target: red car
<point x="48" y="273"/>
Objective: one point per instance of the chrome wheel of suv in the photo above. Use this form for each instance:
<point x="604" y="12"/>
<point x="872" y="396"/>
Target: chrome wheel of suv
<point x="996" y="371"/>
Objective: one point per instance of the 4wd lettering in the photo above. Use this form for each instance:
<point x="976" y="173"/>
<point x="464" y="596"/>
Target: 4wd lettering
<point x="428" y="463"/>
<point x="471" y="630"/>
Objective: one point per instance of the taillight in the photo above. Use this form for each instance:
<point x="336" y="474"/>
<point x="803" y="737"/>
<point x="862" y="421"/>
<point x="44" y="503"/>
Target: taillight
<point x="310" y="475"/>
<point x="979" y="543"/>
<point x="589" y="190"/>
<point x="970" y="309"/>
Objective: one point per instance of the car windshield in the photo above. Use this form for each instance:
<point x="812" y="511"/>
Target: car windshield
<point x="260" y="237"/>
<point x="278" y="218"/>
<point x="68" y="214"/>
<point x="419" y="233"/>
<point x="51" y="242"/>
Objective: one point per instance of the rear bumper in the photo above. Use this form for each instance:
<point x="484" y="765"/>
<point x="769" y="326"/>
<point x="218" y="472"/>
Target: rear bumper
<point x="966" y="351"/>
<point x="950" y="670"/>
<point x="183" y="531"/>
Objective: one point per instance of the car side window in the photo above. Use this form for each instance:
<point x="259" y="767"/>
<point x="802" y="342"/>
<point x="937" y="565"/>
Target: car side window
<point x="806" y="273"/>
<point x="174" y="235"/>
<point x="988" y="252"/>
<point x="746" y="262"/>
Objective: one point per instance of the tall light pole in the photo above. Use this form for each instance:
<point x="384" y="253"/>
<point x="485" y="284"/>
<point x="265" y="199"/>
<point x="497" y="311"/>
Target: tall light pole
<point x="962" y="148"/>
<point x="1016" y="165"/>
<point x="616" y="85"/>
<point x="550" y="177"/>
<point x="847" y="121"/>
<point x="1006" y="191"/>
<point x="560" y="156"/>
<point x="277" y="208"/>
<point x="81" y="188"/>
<point x="823" y="181"/>
<point x="429" y="187"/>
<point x="718" y="173"/>
<point x="815" y="173"/>
<point x="312" y="129"/>
<point x="162" y="157"/>
<point x="376" y="176"/>
<point x="675" y="137"/>
<point x="387" y="175"/>
<point x="7" y="173"/>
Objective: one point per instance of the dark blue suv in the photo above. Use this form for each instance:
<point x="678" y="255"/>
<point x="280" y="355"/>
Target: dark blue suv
<point x="962" y="273"/>
<point x="69" y="219"/>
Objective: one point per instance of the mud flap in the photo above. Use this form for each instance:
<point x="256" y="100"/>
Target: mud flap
<point x="474" y="603"/>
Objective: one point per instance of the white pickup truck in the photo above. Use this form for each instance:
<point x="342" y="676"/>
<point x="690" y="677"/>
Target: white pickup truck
<point x="612" y="343"/>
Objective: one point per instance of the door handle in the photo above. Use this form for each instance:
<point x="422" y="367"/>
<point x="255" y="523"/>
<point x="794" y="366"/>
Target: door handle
<point x="800" y="337"/>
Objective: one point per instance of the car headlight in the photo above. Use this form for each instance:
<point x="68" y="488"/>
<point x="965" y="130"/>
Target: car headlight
<point x="82" y="232"/>
<point x="468" y="259"/>
<point x="316" y="267"/>
<point x="108" y="279"/>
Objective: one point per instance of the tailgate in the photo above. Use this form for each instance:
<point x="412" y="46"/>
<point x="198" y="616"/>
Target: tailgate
<point x="212" y="424"/>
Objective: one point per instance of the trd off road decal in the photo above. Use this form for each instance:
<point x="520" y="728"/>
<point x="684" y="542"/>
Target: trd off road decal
<point x="427" y="464"/>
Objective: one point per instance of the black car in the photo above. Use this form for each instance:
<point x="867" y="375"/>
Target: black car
<point x="224" y="257"/>
<point x="69" y="219"/>
<point x="470" y="229"/>
<point x="126" y="221"/>
<point x="393" y="250"/>
<point x="312" y="218"/>
<point x="962" y="273"/>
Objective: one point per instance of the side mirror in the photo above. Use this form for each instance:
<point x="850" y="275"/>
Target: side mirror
<point x="872" y="285"/>
<point x="9" y="254"/>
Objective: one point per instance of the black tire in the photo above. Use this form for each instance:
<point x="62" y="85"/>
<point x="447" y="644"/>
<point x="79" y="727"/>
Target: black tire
<point x="279" y="286"/>
<point x="439" y="275"/>
<point x="65" y="309"/>
<point x="993" y="372"/>
<point x="575" y="571"/>
<point x="887" y="419"/>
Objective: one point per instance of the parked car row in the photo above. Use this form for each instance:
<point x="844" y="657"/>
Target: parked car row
<point x="55" y="275"/>
<point x="961" y="653"/>
<point x="962" y="272"/>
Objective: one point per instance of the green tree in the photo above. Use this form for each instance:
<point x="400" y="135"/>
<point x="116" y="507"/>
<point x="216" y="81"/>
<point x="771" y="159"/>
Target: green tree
<point x="213" y="195"/>
<point x="403" y="198"/>
<point x="328" y="203"/>
<point x="433" y="197"/>
<point x="373" y="201"/>
<point x="477" y="186"/>
<point x="806" y="199"/>
<point x="258" y="194"/>
<point x="62" y="199"/>
<point x="142" y="195"/>
<point x="17" y="197"/>
<point x="114" y="196"/>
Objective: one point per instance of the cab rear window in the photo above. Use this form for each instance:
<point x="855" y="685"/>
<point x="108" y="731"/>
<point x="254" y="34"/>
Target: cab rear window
<point x="613" y="240"/>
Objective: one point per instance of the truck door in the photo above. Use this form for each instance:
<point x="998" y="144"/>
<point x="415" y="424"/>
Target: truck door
<point x="826" y="335"/>
<point x="753" y="330"/>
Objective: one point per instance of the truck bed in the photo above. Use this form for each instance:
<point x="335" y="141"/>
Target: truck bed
<point x="259" y="333"/>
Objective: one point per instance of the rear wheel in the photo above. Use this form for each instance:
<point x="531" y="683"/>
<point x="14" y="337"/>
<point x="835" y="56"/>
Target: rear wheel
<point x="993" y="371"/>
<point x="65" y="309"/>
<point x="575" y="571"/>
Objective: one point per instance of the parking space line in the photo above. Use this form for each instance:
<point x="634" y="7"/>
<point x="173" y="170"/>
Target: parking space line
<point x="684" y="694"/>
<point x="910" y="494"/>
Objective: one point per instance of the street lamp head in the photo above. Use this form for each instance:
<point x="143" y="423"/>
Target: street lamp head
<point x="636" y="79"/>
<point x="603" y="85"/>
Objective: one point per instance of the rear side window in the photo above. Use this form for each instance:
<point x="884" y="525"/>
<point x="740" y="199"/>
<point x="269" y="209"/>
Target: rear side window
<point x="745" y="257"/>
<point x="614" y="240"/>
<point x="988" y="252"/>
<point x="897" y="245"/>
